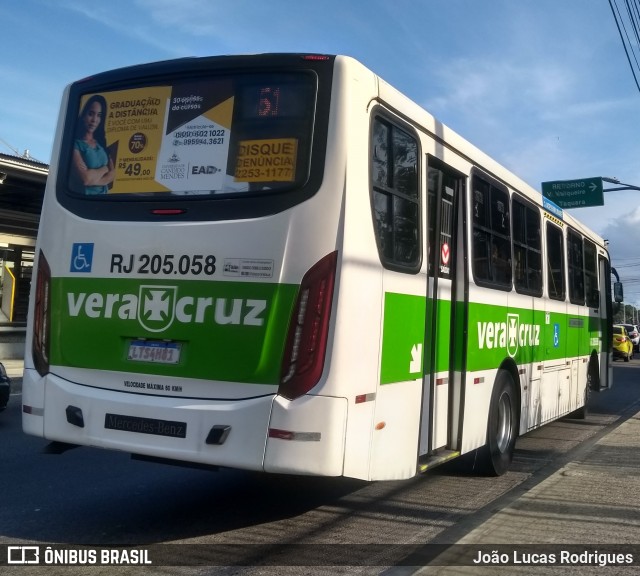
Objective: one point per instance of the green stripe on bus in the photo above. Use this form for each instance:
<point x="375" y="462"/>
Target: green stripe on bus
<point x="230" y="331"/>
<point x="494" y="334"/>
<point x="402" y="337"/>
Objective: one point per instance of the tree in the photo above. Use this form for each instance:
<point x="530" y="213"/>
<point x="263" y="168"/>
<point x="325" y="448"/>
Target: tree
<point x="626" y="314"/>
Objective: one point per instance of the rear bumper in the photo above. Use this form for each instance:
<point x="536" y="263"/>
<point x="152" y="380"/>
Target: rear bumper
<point x="5" y="391"/>
<point x="157" y="426"/>
<point x="267" y="433"/>
<point x="5" y="387"/>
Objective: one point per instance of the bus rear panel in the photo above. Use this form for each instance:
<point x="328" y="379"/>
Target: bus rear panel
<point x="180" y="302"/>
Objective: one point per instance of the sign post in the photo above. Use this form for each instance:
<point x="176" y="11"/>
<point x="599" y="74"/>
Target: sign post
<point x="574" y="193"/>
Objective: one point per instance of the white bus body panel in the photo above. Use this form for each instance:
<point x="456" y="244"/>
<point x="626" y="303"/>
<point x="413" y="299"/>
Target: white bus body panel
<point x="319" y="423"/>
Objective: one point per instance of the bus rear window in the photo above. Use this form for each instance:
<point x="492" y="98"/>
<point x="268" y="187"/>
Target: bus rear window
<point x="223" y="135"/>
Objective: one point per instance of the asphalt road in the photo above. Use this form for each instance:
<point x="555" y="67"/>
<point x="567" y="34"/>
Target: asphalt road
<point x="90" y="497"/>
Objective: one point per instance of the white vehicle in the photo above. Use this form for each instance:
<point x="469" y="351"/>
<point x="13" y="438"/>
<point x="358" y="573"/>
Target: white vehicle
<point x="281" y="263"/>
<point x="634" y="335"/>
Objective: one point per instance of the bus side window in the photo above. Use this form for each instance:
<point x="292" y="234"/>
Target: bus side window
<point x="527" y="247"/>
<point x="491" y="234"/>
<point x="555" y="262"/>
<point x="576" y="267"/>
<point x="591" y="274"/>
<point x="395" y="197"/>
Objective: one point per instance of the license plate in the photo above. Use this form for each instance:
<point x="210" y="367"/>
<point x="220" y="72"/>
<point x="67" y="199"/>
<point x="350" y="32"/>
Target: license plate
<point x="154" y="351"/>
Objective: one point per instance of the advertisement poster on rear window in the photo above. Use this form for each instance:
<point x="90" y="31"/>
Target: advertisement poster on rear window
<point x="172" y="139"/>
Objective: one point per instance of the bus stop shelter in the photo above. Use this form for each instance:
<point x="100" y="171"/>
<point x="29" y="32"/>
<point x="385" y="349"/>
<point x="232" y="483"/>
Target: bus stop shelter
<point x="22" y="184"/>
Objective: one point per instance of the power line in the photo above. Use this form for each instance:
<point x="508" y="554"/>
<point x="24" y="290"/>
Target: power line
<point x="633" y="23"/>
<point x="19" y="154"/>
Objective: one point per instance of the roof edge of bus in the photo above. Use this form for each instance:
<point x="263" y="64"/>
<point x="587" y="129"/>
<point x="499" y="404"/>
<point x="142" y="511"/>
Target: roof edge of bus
<point x="308" y="56"/>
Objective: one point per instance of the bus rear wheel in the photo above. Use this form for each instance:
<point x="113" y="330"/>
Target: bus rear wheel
<point x="497" y="454"/>
<point x="593" y="383"/>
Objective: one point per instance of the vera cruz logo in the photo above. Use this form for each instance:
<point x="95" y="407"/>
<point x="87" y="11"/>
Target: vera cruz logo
<point x="513" y="322"/>
<point x="509" y="335"/>
<point x="156" y="307"/>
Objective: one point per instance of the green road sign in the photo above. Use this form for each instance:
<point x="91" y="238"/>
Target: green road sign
<point x="574" y="193"/>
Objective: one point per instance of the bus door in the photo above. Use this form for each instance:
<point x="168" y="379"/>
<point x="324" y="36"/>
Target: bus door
<point x="555" y="370"/>
<point x="441" y="381"/>
<point x="606" y="323"/>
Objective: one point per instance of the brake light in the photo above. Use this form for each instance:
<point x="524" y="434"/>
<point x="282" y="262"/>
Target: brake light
<point x="306" y="346"/>
<point x="168" y="211"/>
<point x="42" y="317"/>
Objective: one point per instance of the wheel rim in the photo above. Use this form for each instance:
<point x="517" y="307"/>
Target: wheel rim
<point x="587" y="394"/>
<point x="503" y="436"/>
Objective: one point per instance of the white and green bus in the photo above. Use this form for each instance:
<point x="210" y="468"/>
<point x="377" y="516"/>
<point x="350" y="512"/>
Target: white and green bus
<point x="280" y="263"/>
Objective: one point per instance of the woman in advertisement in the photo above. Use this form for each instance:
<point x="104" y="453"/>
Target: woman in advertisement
<point x="93" y="168"/>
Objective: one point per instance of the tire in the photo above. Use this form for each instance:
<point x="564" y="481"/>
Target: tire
<point x="627" y="357"/>
<point x="582" y="412"/>
<point x="593" y="383"/>
<point x="496" y="456"/>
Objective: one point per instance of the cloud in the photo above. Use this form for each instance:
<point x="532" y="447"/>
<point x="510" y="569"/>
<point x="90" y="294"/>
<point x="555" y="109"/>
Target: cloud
<point x="481" y="87"/>
<point x="136" y="25"/>
<point x="242" y="25"/>
<point x="625" y="257"/>
<point x="197" y="17"/>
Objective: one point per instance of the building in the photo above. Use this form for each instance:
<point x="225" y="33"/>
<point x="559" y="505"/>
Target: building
<point x="22" y="184"/>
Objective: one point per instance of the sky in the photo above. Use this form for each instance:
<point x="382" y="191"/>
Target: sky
<point x="542" y="86"/>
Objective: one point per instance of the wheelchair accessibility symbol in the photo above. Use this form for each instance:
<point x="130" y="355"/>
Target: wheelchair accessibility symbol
<point x="81" y="257"/>
<point x="556" y="335"/>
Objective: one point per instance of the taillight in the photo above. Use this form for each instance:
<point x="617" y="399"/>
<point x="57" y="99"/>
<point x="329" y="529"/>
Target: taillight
<point x="304" y="354"/>
<point x="42" y="317"/>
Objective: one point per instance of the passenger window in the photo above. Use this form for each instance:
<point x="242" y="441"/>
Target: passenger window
<point x="527" y="248"/>
<point x="491" y="234"/>
<point x="555" y="263"/>
<point x="591" y="275"/>
<point x="395" y="197"/>
<point x="576" y="267"/>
